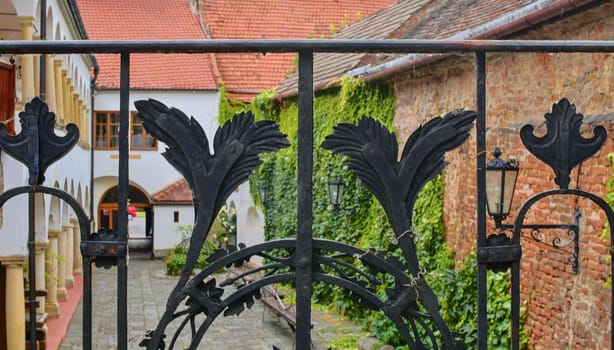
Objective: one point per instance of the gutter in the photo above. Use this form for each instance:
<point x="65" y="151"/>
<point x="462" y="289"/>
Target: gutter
<point x="515" y="21"/>
<point x="76" y="15"/>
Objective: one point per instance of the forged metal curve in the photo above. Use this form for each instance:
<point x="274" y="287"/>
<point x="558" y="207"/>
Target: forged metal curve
<point x="212" y="178"/>
<point x="357" y="271"/>
<point x="563" y="147"/>
<point x="373" y="151"/>
<point x="37" y="146"/>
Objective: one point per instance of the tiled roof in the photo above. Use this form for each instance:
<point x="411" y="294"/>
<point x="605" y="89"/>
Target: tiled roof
<point x="143" y="20"/>
<point x="434" y="19"/>
<point x="177" y="193"/>
<point x="381" y="25"/>
<point x="247" y="74"/>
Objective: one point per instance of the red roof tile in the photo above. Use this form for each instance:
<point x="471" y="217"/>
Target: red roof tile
<point x="247" y="74"/>
<point x="177" y="193"/>
<point x="143" y="20"/>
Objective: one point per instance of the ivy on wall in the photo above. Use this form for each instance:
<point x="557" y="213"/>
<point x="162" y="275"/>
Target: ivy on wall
<point x="361" y="221"/>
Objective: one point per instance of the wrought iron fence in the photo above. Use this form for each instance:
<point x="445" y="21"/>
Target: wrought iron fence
<point x="395" y="183"/>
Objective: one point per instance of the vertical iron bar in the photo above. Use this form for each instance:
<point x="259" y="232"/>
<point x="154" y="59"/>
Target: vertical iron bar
<point x="304" y="237"/>
<point x="122" y="204"/>
<point x="87" y="302"/>
<point x="481" y="188"/>
<point x="31" y="198"/>
<point x="43" y="58"/>
<point x="32" y="270"/>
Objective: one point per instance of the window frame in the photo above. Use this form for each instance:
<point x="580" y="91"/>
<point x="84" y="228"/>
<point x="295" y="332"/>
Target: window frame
<point x="144" y="135"/>
<point x="9" y="95"/>
<point x="109" y="126"/>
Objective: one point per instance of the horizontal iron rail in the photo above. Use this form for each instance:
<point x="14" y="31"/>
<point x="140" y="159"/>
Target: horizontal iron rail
<point x="315" y="45"/>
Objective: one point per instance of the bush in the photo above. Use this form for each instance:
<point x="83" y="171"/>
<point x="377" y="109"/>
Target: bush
<point x="174" y="263"/>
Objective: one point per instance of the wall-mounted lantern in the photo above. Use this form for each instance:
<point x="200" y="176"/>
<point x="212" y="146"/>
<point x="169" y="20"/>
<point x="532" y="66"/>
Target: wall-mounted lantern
<point x="501" y="178"/>
<point x="263" y="192"/>
<point x="335" y="192"/>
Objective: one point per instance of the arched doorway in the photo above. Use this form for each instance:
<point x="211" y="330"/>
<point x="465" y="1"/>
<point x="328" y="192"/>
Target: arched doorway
<point x="140" y="225"/>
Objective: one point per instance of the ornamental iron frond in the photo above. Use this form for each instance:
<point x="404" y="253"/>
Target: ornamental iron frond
<point x="37" y="146"/>
<point x="372" y="151"/>
<point x="211" y="177"/>
<point x="563" y="147"/>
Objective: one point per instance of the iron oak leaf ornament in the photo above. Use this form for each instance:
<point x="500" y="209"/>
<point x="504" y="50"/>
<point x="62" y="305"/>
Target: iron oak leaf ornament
<point x="211" y="177"/>
<point x="37" y="146"/>
<point x="373" y="152"/>
<point x="563" y="147"/>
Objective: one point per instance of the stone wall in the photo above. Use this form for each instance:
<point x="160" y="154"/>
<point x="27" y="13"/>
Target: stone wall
<point x="565" y="310"/>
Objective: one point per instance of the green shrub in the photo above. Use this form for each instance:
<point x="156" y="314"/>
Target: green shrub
<point x="174" y="263"/>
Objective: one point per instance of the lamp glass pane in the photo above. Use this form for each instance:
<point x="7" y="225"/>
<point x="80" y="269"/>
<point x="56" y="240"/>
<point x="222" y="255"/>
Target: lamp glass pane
<point x="510" y="183"/>
<point x="339" y="193"/>
<point x="333" y="192"/>
<point x="494" y="188"/>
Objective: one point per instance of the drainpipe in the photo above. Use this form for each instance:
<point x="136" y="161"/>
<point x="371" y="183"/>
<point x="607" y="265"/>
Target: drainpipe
<point x="513" y="22"/>
<point x="92" y="93"/>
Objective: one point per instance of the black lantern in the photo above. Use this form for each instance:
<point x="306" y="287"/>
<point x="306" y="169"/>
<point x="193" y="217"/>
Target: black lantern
<point x="500" y="183"/>
<point x="335" y="192"/>
<point x="262" y="191"/>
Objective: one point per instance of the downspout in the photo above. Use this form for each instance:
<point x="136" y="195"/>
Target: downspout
<point x="43" y="59"/>
<point x="513" y="22"/>
<point x="92" y="93"/>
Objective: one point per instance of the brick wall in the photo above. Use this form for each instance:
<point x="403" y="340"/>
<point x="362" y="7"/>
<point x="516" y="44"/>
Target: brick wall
<point x="565" y="310"/>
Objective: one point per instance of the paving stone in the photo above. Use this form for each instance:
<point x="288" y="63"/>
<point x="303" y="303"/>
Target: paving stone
<point x="148" y="288"/>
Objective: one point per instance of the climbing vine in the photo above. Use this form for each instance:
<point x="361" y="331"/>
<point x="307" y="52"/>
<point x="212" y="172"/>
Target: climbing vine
<point x="361" y="221"/>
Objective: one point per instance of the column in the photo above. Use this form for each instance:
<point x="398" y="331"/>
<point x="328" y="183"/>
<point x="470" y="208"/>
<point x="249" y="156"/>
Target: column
<point x="37" y="73"/>
<point x="68" y="258"/>
<point x="40" y="248"/>
<point x="59" y="99"/>
<point x="77" y="114"/>
<point x="68" y="101"/>
<point x="15" y="304"/>
<point x="77" y="266"/>
<point x="86" y="125"/>
<point x="65" y="91"/>
<point x="51" y="268"/>
<point x="61" y="273"/>
<point x="27" y="61"/>
<point x="50" y="85"/>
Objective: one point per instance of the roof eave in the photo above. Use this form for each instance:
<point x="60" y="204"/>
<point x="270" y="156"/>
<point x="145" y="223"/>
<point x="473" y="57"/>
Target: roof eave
<point x="513" y="22"/>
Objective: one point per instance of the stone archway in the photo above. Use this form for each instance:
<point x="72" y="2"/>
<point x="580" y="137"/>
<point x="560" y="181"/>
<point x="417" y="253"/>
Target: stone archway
<point x="140" y="226"/>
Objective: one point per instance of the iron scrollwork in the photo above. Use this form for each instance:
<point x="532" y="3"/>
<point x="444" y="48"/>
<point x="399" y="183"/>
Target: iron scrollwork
<point x="211" y="177"/>
<point x="373" y="152"/>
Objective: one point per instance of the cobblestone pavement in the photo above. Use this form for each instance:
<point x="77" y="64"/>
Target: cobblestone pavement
<point x="148" y="289"/>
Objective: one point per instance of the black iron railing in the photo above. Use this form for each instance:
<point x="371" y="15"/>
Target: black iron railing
<point x="301" y="260"/>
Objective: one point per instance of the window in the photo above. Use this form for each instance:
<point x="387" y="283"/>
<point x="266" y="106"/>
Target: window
<point x="141" y="139"/>
<point x="106" y="132"/>
<point x="7" y="97"/>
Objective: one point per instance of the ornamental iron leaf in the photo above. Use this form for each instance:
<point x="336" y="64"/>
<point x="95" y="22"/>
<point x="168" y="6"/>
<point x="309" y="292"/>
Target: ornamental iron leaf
<point x="563" y="147"/>
<point x="37" y="146"/>
<point x="373" y="149"/>
<point x="211" y="177"/>
<point x="204" y="296"/>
